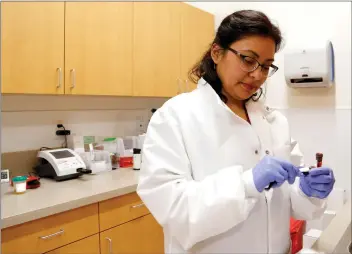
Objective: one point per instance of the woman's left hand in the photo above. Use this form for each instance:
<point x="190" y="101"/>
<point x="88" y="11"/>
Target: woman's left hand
<point x="318" y="183"/>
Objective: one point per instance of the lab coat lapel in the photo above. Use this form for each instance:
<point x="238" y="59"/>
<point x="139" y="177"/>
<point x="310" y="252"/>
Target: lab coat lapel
<point x="257" y="114"/>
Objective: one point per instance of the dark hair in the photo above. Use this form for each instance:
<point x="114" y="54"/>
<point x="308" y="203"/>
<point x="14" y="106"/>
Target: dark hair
<point x="234" y="27"/>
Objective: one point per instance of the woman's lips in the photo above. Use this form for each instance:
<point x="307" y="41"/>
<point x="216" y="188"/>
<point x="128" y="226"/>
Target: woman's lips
<point x="248" y="87"/>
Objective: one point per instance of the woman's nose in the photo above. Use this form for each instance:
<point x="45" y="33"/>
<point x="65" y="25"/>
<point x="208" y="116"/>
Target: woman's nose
<point x="257" y="74"/>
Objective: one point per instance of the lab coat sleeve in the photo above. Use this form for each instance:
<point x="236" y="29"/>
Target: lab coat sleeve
<point x="191" y="211"/>
<point x="302" y="206"/>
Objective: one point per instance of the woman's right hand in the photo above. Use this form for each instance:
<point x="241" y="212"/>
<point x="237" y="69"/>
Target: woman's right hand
<point x="271" y="169"/>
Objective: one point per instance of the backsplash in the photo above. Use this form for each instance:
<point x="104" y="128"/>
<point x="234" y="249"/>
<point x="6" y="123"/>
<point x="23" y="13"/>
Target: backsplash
<point x="29" y="122"/>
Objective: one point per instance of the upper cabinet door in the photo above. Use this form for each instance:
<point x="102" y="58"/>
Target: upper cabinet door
<point x="156" y="44"/>
<point x="98" y="48"/>
<point x="32" y="51"/>
<point x="197" y="33"/>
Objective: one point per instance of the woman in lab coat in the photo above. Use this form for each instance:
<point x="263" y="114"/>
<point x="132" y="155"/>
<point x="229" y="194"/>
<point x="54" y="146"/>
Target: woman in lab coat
<point x="209" y="154"/>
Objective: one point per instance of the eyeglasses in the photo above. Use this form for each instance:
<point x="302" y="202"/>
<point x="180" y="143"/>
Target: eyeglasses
<point x="250" y="64"/>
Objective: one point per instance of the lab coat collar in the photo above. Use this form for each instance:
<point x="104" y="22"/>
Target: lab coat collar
<point x="251" y="106"/>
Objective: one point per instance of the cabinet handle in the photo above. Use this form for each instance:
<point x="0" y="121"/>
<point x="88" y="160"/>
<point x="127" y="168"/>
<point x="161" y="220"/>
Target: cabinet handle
<point x="137" y="206"/>
<point x="60" y="78"/>
<point x="52" y="235"/>
<point x="179" y="86"/>
<point x="187" y="85"/>
<point x="110" y="244"/>
<point x="73" y="78"/>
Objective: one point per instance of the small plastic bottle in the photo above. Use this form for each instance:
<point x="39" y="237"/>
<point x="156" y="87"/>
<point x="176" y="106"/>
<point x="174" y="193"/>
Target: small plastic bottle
<point x="137" y="159"/>
<point x="20" y="184"/>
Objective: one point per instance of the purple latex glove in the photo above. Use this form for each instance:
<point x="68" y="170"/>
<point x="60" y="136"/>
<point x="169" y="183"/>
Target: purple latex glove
<point x="271" y="170"/>
<point x="318" y="183"/>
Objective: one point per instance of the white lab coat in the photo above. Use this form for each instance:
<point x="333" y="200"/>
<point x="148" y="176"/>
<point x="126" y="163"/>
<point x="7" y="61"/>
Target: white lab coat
<point x="197" y="182"/>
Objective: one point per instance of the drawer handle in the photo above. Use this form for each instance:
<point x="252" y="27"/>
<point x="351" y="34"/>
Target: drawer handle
<point x="52" y="235"/>
<point x="137" y="206"/>
<point x="110" y="244"/>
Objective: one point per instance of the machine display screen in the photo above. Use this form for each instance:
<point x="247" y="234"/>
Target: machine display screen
<point x="62" y="154"/>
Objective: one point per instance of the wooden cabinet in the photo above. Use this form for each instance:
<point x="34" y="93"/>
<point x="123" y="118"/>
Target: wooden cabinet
<point x="118" y="225"/>
<point x="156" y="46"/>
<point x="101" y="48"/>
<point x="32" y="53"/>
<point x="116" y="211"/>
<point x="197" y="34"/>
<point x="51" y="232"/>
<point x="89" y="245"/>
<point x="98" y="48"/>
<point x="142" y="235"/>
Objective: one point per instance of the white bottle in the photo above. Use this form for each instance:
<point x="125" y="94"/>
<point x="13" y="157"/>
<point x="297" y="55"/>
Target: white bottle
<point x="137" y="159"/>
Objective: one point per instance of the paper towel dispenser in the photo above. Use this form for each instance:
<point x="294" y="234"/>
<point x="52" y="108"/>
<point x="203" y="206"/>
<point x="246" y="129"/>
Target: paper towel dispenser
<point x="313" y="67"/>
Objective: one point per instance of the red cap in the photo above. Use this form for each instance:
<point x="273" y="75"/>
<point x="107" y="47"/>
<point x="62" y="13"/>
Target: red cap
<point x="319" y="156"/>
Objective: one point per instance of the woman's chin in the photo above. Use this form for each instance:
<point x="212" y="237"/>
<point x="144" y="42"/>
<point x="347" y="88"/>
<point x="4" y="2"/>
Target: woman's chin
<point x="244" y="95"/>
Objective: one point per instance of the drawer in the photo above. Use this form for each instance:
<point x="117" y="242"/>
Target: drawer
<point x="89" y="245"/>
<point x="51" y="232"/>
<point x="121" y="209"/>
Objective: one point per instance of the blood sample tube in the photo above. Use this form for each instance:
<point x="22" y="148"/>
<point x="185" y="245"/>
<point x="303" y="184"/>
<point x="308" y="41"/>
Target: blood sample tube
<point x="319" y="157"/>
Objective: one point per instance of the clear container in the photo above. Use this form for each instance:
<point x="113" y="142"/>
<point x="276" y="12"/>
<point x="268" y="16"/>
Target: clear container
<point x="111" y="145"/>
<point x="19" y="184"/>
<point x="97" y="161"/>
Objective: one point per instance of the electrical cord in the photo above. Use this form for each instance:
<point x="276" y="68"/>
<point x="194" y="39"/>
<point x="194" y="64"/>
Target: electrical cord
<point x="45" y="148"/>
<point x="64" y="145"/>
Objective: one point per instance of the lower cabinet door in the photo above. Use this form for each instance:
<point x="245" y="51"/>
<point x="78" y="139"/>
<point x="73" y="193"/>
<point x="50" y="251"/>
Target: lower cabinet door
<point x="89" y="245"/>
<point x="142" y="235"/>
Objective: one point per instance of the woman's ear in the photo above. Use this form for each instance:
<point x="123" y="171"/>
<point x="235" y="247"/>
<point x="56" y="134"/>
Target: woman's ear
<point x="216" y="53"/>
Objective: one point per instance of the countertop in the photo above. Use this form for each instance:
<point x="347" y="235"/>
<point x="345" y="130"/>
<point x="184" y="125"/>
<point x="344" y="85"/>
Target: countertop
<point x="54" y="197"/>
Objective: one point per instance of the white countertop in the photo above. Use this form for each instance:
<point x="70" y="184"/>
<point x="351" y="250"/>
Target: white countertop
<point x="54" y="197"/>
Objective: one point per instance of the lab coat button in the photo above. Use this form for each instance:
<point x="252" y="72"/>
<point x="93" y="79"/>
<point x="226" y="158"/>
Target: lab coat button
<point x="267" y="152"/>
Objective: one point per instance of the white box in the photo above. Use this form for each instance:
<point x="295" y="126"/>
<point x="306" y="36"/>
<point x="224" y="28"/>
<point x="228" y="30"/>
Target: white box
<point x="310" y="237"/>
<point x="327" y="218"/>
<point x="315" y="224"/>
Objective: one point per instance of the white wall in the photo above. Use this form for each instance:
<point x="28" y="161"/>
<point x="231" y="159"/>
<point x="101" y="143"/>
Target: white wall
<point x="303" y="24"/>
<point x="320" y="118"/>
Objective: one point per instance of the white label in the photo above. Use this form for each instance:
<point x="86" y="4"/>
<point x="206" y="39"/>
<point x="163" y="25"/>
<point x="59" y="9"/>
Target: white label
<point x="136" y="161"/>
<point x="20" y="187"/>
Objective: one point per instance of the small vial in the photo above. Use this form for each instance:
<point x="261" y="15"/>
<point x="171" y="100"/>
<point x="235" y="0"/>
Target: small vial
<point x="319" y="157"/>
<point x="137" y="159"/>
